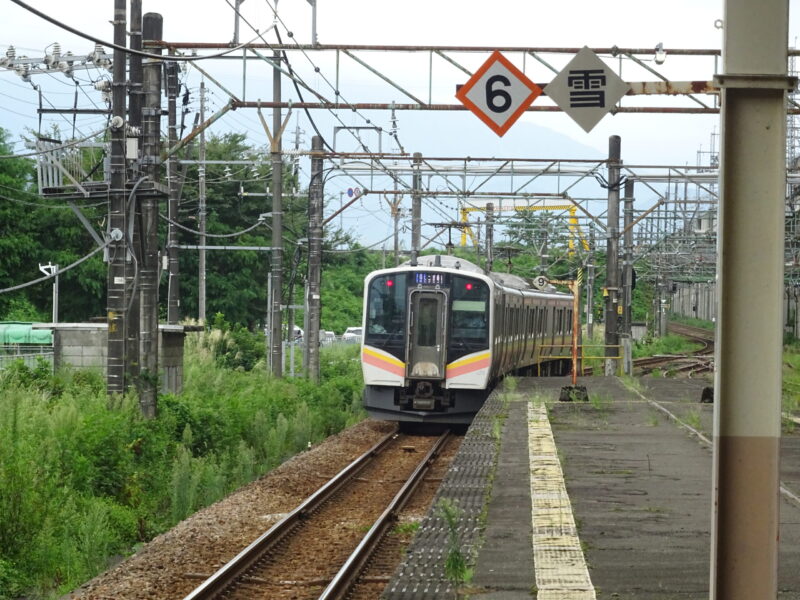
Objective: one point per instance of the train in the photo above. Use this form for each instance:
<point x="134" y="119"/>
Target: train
<point x="439" y="334"/>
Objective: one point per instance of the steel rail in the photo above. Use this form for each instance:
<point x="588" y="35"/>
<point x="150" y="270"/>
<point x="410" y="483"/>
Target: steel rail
<point x="236" y="567"/>
<point x="347" y="576"/>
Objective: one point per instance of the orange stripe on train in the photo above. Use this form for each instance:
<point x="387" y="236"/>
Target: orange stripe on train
<point x="381" y="363"/>
<point x="467" y="368"/>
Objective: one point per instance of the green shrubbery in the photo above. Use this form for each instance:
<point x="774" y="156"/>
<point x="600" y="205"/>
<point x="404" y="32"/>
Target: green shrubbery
<point x="84" y="477"/>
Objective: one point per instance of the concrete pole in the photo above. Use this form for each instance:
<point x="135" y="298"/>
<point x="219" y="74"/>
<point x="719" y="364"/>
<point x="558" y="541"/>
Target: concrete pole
<point x="315" y="196"/>
<point x="151" y="135"/>
<point x="416" y="209"/>
<point x="116" y="297"/>
<point x="747" y="416"/>
<point x="489" y="236"/>
<point x="627" y="259"/>
<point x="201" y="217"/>
<point x="612" y="257"/>
<point x="134" y="216"/>
<point x="173" y="287"/>
<point x="277" y="224"/>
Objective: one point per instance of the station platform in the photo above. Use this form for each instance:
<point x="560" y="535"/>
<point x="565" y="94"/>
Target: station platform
<point x="608" y="498"/>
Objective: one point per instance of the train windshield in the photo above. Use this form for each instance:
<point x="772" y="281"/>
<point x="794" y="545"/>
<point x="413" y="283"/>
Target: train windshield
<point x="470" y="313"/>
<point x="386" y="310"/>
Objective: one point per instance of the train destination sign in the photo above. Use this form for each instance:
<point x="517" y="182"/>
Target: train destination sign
<point x="498" y="93"/>
<point x="587" y="89"/>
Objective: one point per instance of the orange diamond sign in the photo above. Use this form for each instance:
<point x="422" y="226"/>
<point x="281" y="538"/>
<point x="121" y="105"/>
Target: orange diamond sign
<point x="498" y="93"/>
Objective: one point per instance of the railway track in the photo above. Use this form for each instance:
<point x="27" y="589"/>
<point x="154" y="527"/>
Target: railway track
<point x="319" y="549"/>
<point x="695" y="363"/>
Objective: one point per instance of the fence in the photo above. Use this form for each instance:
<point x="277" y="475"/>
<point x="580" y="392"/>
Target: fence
<point x="29" y="355"/>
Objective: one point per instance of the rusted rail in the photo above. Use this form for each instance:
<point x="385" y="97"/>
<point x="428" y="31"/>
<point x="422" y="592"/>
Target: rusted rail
<point x="215" y="585"/>
<point x="350" y="571"/>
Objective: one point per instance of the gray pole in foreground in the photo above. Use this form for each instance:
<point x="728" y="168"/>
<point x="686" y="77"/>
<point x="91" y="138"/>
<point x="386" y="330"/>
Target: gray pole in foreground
<point x="153" y="25"/>
<point x="315" y="192"/>
<point x="627" y="259"/>
<point x="416" y="209"/>
<point x="747" y="417"/>
<point x="277" y="225"/>
<point x="116" y="298"/>
<point x="612" y="257"/>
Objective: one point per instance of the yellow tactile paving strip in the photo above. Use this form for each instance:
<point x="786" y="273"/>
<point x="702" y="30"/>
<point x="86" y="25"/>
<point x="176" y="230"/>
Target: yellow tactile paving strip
<point x="561" y="572"/>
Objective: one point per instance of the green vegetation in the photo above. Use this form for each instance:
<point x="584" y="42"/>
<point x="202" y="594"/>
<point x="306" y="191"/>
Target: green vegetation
<point x="84" y="477"/>
<point x="669" y="344"/>
<point x="455" y="566"/>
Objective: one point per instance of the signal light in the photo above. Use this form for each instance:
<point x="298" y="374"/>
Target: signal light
<point x="468" y="286"/>
<point x="389" y="282"/>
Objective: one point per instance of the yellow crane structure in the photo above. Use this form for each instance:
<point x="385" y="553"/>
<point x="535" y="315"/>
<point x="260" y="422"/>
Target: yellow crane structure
<point x="572" y="223"/>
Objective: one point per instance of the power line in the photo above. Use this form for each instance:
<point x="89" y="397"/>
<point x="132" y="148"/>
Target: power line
<point x="91" y="38"/>
<point x="59" y="272"/>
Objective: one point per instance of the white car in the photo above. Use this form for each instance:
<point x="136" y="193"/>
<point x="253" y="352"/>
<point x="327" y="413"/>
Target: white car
<point x="352" y="335"/>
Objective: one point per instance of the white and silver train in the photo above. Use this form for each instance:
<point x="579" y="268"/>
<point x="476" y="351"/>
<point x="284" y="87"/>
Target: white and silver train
<point x="438" y="336"/>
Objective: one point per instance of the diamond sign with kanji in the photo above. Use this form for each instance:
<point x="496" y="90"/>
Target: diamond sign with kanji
<point x="498" y="93"/>
<point x="586" y="89"/>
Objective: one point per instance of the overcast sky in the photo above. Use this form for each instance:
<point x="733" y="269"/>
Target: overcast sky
<point x="650" y="139"/>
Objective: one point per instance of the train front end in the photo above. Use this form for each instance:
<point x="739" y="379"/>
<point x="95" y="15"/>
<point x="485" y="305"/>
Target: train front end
<point x="426" y="349"/>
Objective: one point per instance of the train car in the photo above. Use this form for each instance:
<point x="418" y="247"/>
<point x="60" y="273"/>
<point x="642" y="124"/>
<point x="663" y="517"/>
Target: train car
<point x="438" y="336"/>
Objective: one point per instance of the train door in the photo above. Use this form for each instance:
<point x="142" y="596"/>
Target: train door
<point x="427" y="322"/>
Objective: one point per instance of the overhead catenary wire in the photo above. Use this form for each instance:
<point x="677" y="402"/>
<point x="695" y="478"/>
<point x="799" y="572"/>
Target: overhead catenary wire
<point x="91" y="38"/>
<point x="59" y="272"/>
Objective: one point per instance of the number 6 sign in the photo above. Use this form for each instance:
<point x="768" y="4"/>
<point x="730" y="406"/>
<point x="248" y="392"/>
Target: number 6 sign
<point x="498" y="93"/>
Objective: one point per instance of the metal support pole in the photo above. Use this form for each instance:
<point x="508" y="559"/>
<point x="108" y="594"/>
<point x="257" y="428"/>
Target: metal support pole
<point x="173" y="288"/>
<point x="134" y="213"/>
<point x="277" y="222"/>
<point x="201" y="194"/>
<point x="416" y="208"/>
<point x="750" y="242"/>
<point x="590" y="289"/>
<point x="612" y="257"/>
<point x="315" y="198"/>
<point x="627" y="259"/>
<point x="116" y="297"/>
<point x="151" y="136"/>
<point x="489" y="236"/>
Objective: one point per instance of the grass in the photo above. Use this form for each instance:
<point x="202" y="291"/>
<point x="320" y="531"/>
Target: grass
<point x="84" y="477"/>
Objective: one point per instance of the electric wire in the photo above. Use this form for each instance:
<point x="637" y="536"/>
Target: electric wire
<point x="59" y="272"/>
<point x="91" y="38"/>
<point x="213" y="235"/>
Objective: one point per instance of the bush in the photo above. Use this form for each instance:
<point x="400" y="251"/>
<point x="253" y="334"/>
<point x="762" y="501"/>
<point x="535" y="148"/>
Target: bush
<point x="82" y="478"/>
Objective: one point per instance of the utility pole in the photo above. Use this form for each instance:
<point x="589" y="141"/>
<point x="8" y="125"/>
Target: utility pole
<point x="627" y="260"/>
<point x="201" y="192"/>
<point x="116" y="296"/>
<point x="489" y="236"/>
<point x="134" y="139"/>
<point x="416" y="209"/>
<point x="173" y="289"/>
<point x="315" y="195"/>
<point x="277" y="223"/>
<point x="148" y="385"/>
<point x="612" y="257"/>
<point x="590" y="288"/>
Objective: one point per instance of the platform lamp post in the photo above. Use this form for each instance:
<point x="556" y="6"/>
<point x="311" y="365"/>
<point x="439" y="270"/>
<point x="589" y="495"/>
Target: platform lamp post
<point x="52" y="270"/>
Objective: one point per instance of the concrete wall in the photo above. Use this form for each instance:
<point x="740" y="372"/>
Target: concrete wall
<point x="85" y="345"/>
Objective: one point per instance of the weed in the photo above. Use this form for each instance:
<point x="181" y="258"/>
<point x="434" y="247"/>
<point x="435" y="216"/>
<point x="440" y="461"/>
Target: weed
<point x="692" y="418"/>
<point x="455" y="566"/>
<point x="408" y="528"/>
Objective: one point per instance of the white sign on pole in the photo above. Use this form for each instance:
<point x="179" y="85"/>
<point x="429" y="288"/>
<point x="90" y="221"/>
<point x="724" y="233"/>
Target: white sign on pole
<point x="586" y="89"/>
<point x="498" y="93"/>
